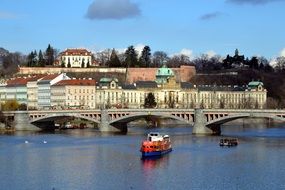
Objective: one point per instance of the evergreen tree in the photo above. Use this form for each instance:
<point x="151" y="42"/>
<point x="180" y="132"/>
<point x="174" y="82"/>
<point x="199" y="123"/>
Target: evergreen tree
<point x="41" y="61"/>
<point x="253" y="63"/>
<point x="144" y="59"/>
<point x="131" y="57"/>
<point x="32" y="59"/>
<point x="62" y="64"/>
<point x="83" y="63"/>
<point x="35" y="60"/>
<point x="49" y="55"/>
<point x="114" y="60"/>
<point x="149" y="101"/>
<point x="68" y="64"/>
<point x="88" y="64"/>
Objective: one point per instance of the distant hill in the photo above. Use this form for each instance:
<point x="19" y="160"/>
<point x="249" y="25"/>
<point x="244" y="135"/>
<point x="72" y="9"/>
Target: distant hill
<point x="3" y="53"/>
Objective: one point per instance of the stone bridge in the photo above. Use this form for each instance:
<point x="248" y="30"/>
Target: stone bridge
<point x="204" y="121"/>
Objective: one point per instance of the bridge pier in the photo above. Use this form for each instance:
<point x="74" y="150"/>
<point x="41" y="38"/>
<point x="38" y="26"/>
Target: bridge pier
<point x="104" y="125"/>
<point x="21" y="121"/>
<point x="200" y="123"/>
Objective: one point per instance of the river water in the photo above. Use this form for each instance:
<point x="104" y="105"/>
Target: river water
<point x="87" y="159"/>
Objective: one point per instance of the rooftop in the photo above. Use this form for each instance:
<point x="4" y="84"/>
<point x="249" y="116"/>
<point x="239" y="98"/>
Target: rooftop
<point x="76" y="82"/>
<point x="76" y="51"/>
<point x="107" y="80"/>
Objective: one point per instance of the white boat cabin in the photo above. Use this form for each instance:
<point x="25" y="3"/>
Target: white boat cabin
<point x="155" y="136"/>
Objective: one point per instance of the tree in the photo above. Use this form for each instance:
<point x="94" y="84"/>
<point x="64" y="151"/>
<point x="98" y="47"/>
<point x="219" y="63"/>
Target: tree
<point x="68" y="64"/>
<point x="103" y="57"/>
<point x="50" y="55"/>
<point x="204" y="63"/>
<point x="222" y="103"/>
<point x="178" y="60"/>
<point x="159" y="57"/>
<point x="131" y="57"/>
<point x="22" y="106"/>
<point x="150" y="101"/>
<point x="10" y="105"/>
<point x="253" y="63"/>
<point x="10" y="63"/>
<point x="32" y="59"/>
<point x="83" y="63"/>
<point x="62" y="64"/>
<point x="280" y="64"/>
<point x="2" y="117"/>
<point x="41" y="60"/>
<point x="114" y="60"/>
<point x="88" y="64"/>
<point x="145" y="58"/>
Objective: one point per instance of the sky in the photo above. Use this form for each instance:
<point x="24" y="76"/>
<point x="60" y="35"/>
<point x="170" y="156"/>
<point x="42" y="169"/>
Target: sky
<point x="191" y="27"/>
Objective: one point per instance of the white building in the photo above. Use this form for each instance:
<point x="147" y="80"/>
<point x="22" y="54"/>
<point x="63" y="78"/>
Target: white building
<point x="44" y="89"/>
<point x="76" y="58"/>
<point x="16" y="89"/>
<point x="3" y="84"/>
<point x="108" y="93"/>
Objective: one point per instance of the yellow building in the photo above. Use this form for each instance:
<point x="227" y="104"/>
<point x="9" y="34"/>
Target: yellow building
<point x="74" y="94"/>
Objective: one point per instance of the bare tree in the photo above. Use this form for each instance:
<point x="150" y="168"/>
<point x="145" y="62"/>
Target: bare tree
<point x="178" y="60"/>
<point x="280" y="64"/>
<point x="159" y="57"/>
<point x="103" y="57"/>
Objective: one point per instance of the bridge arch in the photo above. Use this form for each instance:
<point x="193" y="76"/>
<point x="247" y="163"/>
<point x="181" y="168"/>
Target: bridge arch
<point x="134" y="116"/>
<point x="48" y="117"/>
<point x="228" y="118"/>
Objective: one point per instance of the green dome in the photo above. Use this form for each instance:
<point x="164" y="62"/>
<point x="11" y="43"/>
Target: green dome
<point x="163" y="74"/>
<point x="108" y="80"/>
<point x="164" y="71"/>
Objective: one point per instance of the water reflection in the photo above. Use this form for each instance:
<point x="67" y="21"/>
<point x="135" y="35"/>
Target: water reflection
<point x="149" y="164"/>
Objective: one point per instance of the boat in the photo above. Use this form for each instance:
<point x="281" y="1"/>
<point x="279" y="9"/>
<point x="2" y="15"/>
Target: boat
<point x="229" y="142"/>
<point x="156" y="144"/>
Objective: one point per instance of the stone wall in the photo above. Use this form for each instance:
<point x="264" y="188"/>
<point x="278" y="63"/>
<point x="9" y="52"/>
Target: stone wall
<point x="183" y="74"/>
<point x="49" y="70"/>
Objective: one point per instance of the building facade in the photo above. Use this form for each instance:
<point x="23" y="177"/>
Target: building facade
<point x="76" y="58"/>
<point x="58" y="91"/>
<point x="73" y="94"/>
<point x="44" y="89"/>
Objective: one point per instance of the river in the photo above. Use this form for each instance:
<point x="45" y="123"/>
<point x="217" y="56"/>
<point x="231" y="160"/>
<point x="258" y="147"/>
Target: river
<point x="86" y="159"/>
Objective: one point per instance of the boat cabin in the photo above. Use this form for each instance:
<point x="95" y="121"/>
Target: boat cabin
<point x="154" y="136"/>
<point x="229" y="142"/>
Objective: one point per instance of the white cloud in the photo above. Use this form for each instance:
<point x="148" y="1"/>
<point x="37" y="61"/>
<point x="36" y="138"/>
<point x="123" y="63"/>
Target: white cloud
<point x="282" y="52"/>
<point x="211" y="53"/>
<point x="187" y="52"/>
<point x="184" y="51"/>
<point x="273" y="62"/>
<point x="139" y="48"/>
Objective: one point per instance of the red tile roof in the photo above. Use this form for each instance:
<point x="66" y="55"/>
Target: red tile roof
<point x="76" y="82"/>
<point x="76" y="52"/>
<point x="50" y="77"/>
<point x="22" y="81"/>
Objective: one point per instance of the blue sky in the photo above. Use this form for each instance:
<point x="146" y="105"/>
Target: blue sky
<point x="255" y="27"/>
